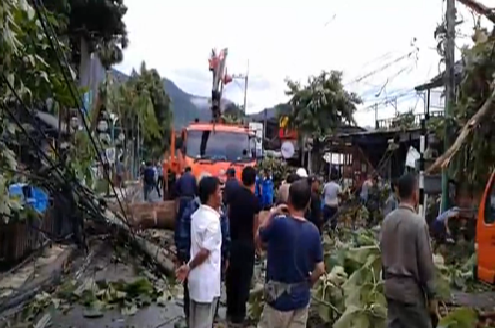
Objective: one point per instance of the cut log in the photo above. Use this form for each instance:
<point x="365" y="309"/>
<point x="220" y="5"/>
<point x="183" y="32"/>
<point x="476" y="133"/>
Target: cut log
<point x="154" y="251"/>
<point x="165" y="264"/>
<point x="146" y="215"/>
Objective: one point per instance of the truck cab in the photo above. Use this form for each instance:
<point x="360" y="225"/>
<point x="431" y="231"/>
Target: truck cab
<point x="485" y="233"/>
<point x="213" y="148"/>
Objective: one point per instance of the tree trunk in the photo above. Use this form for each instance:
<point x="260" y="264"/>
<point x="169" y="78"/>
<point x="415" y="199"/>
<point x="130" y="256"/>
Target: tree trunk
<point x="474" y="121"/>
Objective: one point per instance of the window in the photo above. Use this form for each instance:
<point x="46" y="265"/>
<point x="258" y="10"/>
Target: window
<point x="490" y="206"/>
<point x="218" y="145"/>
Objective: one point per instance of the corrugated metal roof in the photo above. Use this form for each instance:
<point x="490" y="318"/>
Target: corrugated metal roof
<point x="438" y="80"/>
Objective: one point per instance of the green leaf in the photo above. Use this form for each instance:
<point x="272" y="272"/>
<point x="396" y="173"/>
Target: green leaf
<point x="94" y="310"/>
<point x="459" y="318"/>
<point x="11" y="128"/>
<point x="129" y="311"/>
<point x="11" y="79"/>
<point x="346" y="320"/>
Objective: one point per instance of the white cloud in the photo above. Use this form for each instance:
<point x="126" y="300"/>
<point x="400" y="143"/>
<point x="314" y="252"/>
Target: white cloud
<point x="288" y="39"/>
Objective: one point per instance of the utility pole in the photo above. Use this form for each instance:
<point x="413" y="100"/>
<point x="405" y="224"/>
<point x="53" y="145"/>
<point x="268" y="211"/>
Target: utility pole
<point x="244" y="77"/>
<point x="377" y="126"/>
<point x="450" y="92"/>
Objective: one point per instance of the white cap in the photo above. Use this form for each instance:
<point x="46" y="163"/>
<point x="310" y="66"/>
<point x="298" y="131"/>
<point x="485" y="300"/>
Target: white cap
<point x="302" y="172"/>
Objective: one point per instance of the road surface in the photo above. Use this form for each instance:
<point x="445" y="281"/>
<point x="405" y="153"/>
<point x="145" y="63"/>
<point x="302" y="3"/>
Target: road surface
<point x="153" y="196"/>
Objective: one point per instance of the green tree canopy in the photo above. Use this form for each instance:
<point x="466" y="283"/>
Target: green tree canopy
<point x="321" y="105"/>
<point x="233" y="113"/>
<point x="98" y="22"/>
<point x="142" y="101"/>
<point x="472" y="156"/>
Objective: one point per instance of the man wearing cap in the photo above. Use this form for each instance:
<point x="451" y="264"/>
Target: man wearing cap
<point x="302" y="173"/>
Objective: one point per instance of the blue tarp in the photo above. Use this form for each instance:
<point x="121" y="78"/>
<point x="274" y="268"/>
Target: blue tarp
<point x="31" y="195"/>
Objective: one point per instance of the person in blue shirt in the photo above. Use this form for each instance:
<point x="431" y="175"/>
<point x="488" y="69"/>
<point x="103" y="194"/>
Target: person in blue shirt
<point x="441" y="229"/>
<point x="183" y="244"/>
<point x="294" y="260"/>
<point x="267" y="191"/>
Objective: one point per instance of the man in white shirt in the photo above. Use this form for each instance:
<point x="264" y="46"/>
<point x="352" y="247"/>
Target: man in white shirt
<point x="331" y="192"/>
<point x="204" y="269"/>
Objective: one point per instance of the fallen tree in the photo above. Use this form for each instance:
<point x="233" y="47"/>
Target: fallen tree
<point x="483" y="113"/>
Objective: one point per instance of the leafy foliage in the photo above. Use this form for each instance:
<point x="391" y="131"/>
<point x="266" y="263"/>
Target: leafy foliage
<point x="98" y="22"/>
<point x="474" y="163"/>
<point x="276" y="167"/>
<point x="25" y="76"/>
<point x="233" y="114"/>
<point x="141" y="100"/>
<point x="32" y="74"/>
<point x="321" y="105"/>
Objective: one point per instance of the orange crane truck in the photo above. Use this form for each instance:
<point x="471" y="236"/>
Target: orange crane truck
<point x="213" y="147"/>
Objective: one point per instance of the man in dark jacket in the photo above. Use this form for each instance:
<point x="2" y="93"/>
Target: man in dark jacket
<point x="148" y="180"/>
<point x="231" y="185"/>
<point x="186" y="189"/>
<point x="183" y="244"/>
<point x="313" y="214"/>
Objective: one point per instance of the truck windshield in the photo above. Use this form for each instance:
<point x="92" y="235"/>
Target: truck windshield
<point x="218" y="145"/>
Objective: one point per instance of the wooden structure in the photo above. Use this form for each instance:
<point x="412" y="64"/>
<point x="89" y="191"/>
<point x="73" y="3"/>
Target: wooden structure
<point x="19" y="238"/>
<point x="369" y="152"/>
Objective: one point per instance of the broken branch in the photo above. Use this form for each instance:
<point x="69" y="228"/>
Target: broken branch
<point x="479" y="8"/>
<point x="444" y="160"/>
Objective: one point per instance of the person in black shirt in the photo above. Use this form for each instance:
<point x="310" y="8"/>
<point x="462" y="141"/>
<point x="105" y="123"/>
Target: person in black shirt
<point x="231" y="185"/>
<point x="314" y="212"/>
<point x="243" y="209"/>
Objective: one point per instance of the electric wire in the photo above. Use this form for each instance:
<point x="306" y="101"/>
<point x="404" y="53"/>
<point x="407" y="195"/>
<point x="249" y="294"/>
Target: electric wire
<point x="53" y="35"/>
<point x="38" y="7"/>
<point x="63" y="177"/>
<point x="380" y="69"/>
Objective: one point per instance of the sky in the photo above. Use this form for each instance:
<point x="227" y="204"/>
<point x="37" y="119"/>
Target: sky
<point x="384" y="47"/>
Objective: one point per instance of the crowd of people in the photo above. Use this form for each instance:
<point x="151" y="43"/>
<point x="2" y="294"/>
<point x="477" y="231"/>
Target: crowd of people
<point x="217" y="239"/>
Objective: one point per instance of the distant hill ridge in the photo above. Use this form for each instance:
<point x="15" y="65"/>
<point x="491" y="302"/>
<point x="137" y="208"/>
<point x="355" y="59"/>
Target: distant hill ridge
<point x="188" y="107"/>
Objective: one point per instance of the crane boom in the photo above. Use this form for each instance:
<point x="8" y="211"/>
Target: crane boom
<point x="217" y="65"/>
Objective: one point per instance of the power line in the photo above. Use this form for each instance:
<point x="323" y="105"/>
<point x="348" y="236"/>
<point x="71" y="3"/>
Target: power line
<point x="389" y="100"/>
<point x="71" y="179"/>
<point x="382" y="68"/>
<point x="78" y="102"/>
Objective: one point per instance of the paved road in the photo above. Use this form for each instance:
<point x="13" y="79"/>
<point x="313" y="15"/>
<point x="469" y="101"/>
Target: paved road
<point x="153" y="196"/>
<point x="103" y="267"/>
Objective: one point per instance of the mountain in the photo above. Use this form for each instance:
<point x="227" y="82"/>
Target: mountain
<point x="186" y="107"/>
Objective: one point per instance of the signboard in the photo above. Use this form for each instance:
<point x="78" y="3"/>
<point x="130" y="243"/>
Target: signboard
<point x="110" y="152"/>
<point x="287" y="149"/>
<point x="257" y="129"/>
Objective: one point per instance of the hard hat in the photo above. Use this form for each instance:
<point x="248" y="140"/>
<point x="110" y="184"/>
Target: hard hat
<point x="302" y="172"/>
